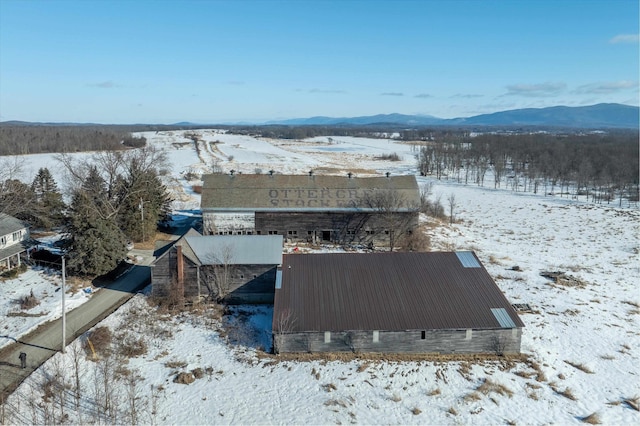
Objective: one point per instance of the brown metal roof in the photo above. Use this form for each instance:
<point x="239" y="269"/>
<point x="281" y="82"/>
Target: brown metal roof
<point x="388" y="291"/>
<point x="299" y="192"/>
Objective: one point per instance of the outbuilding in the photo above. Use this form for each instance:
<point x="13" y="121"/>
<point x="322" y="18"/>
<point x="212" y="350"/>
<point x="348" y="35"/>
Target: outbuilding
<point x="408" y="302"/>
<point x="233" y="269"/>
<point x="313" y="208"/>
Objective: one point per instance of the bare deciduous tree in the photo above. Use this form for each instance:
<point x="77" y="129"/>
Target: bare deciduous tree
<point x="217" y="274"/>
<point x="394" y="212"/>
<point x="451" y="200"/>
<point x="285" y="323"/>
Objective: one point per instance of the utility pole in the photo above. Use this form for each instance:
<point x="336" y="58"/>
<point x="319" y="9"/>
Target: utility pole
<point x="141" y="207"/>
<point x="64" y="315"/>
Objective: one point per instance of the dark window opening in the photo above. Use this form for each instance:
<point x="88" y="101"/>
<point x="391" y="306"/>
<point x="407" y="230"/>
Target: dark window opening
<point x="424" y="335"/>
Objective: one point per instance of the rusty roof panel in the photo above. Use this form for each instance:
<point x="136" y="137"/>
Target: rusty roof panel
<point x="388" y="291"/>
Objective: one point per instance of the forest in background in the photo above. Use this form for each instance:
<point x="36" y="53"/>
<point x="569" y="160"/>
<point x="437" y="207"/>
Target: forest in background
<point x="601" y="166"/>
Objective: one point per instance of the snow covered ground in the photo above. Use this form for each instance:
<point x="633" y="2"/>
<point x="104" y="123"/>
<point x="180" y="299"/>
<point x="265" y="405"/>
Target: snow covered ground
<point x="581" y="342"/>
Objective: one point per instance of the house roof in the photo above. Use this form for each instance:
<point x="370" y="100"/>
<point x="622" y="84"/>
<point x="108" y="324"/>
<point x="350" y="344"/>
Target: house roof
<point x="9" y="224"/>
<point x="300" y="192"/>
<point x="234" y="249"/>
<point x="390" y="291"/>
<point x="14" y="249"/>
<point x="163" y="246"/>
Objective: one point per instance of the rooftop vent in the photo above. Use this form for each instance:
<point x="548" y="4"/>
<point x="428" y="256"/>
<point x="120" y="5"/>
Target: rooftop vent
<point x="349" y="174"/>
<point x="388" y="174"/>
<point x="271" y="172"/>
<point x="310" y="172"/>
<point x="232" y="172"/>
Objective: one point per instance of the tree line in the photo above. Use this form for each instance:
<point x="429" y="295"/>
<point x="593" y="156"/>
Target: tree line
<point x="600" y="167"/>
<point x="114" y="197"/>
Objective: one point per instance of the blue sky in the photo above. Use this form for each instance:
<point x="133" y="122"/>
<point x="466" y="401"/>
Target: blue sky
<point x="134" y="61"/>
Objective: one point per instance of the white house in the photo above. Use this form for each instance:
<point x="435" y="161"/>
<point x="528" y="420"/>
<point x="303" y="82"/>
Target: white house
<point x="14" y="240"/>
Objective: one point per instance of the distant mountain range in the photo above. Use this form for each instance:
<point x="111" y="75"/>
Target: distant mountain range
<point x="589" y="117"/>
<point x="600" y="116"/>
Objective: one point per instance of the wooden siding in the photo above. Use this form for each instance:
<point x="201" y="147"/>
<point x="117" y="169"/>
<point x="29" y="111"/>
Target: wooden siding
<point x="164" y="275"/>
<point x="251" y="284"/>
<point x="435" y="341"/>
<point x="339" y="227"/>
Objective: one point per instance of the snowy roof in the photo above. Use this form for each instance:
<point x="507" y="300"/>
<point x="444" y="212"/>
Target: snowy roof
<point x="236" y="249"/>
<point x="391" y="291"/>
<point x="301" y="192"/>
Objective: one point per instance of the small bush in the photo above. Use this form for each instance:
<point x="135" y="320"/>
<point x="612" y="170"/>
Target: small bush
<point x="415" y="411"/>
<point x="567" y="393"/>
<point x="580" y="367"/>
<point x="592" y="419"/>
<point x="28" y="302"/>
<point x="175" y="364"/>
<point x="389" y="157"/>
<point x="416" y="241"/>
<point x="184" y="378"/>
<point x="489" y="386"/>
<point x="329" y="387"/>
<point x="14" y="273"/>
<point x="130" y="347"/>
<point x="100" y="339"/>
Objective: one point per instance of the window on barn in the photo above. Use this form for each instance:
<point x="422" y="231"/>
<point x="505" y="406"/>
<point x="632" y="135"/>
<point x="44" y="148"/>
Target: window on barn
<point x="327" y="337"/>
<point x="258" y="232"/>
<point x="293" y="232"/>
<point x="423" y="336"/>
<point x="376" y="336"/>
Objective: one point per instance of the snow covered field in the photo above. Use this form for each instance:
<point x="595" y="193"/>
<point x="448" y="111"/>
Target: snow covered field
<point x="581" y="342"/>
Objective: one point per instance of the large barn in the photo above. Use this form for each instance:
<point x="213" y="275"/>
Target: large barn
<point x="439" y="302"/>
<point x="234" y="269"/>
<point x="313" y="208"/>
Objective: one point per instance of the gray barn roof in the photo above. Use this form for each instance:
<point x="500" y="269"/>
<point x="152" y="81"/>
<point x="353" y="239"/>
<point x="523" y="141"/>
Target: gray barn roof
<point x="235" y="249"/>
<point x="299" y="192"/>
<point x="390" y="291"/>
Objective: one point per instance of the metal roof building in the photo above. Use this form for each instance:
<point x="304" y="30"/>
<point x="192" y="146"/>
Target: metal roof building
<point x="418" y="302"/>
<point x="237" y="250"/>
<point x="187" y="267"/>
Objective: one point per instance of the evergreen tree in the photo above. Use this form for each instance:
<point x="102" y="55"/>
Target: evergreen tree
<point x="97" y="245"/>
<point x="144" y="202"/>
<point x="49" y="204"/>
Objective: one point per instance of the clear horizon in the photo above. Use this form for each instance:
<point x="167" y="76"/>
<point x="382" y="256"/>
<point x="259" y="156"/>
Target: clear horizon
<point x="256" y="61"/>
